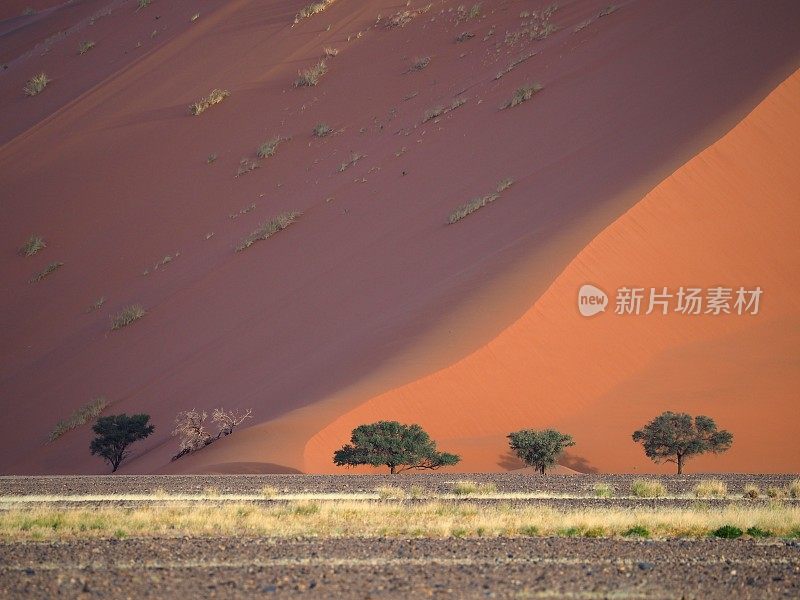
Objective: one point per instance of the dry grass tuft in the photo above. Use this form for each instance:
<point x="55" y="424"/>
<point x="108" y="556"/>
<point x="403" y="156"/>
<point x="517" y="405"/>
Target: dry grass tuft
<point x="710" y="488"/>
<point x="143" y="4"/>
<point x="312" y="9"/>
<point x="354" y="158"/>
<point x="419" y="63"/>
<point x="603" y="490"/>
<point x="751" y="491"/>
<point x="127" y="315"/>
<point x="311" y="76"/>
<point x="51" y="268"/>
<point x="390" y="492"/>
<point x="403" y="17"/>
<point x="470" y="207"/>
<point x="464" y="36"/>
<point x="246" y="165"/>
<point x="648" y="488"/>
<point x="87" y="412"/>
<point x="271" y="227"/>
<point x="794" y="489"/>
<point x="270" y="147"/>
<point x="330" y="52"/>
<point x="32" y="246"/>
<point x="269" y="492"/>
<point x="85" y="46"/>
<point x="215" y="97"/>
<point x="36" y="84"/>
<point x="523" y="94"/>
<point x="775" y="492"/>
<point x="321" y="130"/>
<point x="472" y="488"/>
<point x="438" y="111"/>
<point x="97" y="304"/>
<point x="608" y="10"/>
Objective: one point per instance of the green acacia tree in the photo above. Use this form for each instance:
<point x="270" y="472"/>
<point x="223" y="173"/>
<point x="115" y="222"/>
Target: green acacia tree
<point x="395" y="445"/>
<point x="115" y="433"/>
<point x="676" y="437"/>
<point x="539" y="449"/>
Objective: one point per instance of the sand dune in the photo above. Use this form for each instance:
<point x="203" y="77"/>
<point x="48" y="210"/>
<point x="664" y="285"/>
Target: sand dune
<point x="371" y="305"/>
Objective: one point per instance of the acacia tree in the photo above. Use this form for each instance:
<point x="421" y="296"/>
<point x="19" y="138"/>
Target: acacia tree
<point x="115" y="433"/>
<point x="539" y="449"/>
<point x="676" y="437"/>
<point x="395" y="445"/>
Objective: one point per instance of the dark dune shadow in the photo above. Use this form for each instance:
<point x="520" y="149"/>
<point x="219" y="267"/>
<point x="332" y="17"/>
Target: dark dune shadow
<point x="249" y="468"/>
<point x="576" y="463"/>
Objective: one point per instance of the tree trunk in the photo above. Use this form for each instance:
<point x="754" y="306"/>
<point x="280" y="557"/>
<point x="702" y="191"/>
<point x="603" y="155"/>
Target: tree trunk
<point x="680" y="464"/>
<point x="391" y="469"/>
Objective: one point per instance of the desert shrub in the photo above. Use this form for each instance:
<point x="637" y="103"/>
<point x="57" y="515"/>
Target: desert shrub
<point x="603" y="490"/>
<point x="85" y="46"/>
<point x="97" y="304"/>
<point x="710" y="488"/>
<point x="464" y="36"/>
<point x="523" y="94"/>
<point x="648" y="488"/>
<point x="529" y="530"/>
<point x="390" y="492"/>
<point x="32" y="246"/>
<point x="51" y="268"/>
<point x="757" y="532"/>
<point x="751" y="491"/>
<point x="728" y="532"/>
<point x="214" y="97"/>
<point x="270" y="147"/>
<point x="775" y="492"/>
<point x="311" y="76"/>
<point x="352" y="160"/>
<point x="36" y="84"/>
<point x="127" y="315"/>
<point x="89" y="411"/>
<point x="306" y="509"/>
<point x="417" y="492"/>
<point x="473" y="488"/>
<point x="191" y="431"/>
<point x="211" y="490"/>
<point x="330" y="52"/>
<point x="637" y="531"/>
<point x="227" y="421"/>
<point x="504" y="184"/>
<point x="471" y="206"/>
<point x="269" y="492"/>
<point x="143" y="4"/>
<point x="794" y="489"/>
<point x="321" y="130"/>
<point x="269" y="228"/>
<point x="604" y="12"/>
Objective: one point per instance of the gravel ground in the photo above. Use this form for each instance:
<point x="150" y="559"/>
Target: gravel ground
<point x="432" y="482"/>
<point x="383" y="568"/>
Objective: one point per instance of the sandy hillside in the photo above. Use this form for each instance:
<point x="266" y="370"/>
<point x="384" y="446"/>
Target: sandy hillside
<point x="661" y="151"/>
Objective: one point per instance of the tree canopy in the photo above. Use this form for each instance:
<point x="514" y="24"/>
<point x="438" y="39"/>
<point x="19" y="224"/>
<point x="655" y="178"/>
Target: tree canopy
<point x="539" y="449"/>
<point x="115" y="433"/>
<point x="675" y="437"/>
<point x="395" y="445"/>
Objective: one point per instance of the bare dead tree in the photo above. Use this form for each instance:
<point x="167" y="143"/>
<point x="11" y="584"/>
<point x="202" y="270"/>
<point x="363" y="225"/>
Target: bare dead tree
<point x="227" y="421"/>
<point x="191" y="432"/>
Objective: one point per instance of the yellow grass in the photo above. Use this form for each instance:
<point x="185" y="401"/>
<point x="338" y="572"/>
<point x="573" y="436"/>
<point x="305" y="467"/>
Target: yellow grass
<point x="710" y="488"/>
<point x="370" y="519"/>
<point x="215" y="97"/>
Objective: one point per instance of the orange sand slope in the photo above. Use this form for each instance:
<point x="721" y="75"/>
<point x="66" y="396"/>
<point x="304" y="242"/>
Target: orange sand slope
<point x="727" y="217"/>
<point x="371" y="305"/>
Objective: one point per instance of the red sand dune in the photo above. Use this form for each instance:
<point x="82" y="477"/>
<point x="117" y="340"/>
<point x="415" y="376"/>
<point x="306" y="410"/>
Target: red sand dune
<point x="370" y="306"/>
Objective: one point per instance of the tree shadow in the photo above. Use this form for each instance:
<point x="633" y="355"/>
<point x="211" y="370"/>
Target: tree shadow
<point x="510" y="462"/>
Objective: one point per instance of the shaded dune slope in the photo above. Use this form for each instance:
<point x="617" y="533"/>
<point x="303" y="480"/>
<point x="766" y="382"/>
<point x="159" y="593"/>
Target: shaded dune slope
<point x="370" y="301"/>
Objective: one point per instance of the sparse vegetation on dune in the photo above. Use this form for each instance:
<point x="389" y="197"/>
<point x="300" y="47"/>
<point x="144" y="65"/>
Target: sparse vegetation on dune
<point x="80" y="416"/>
<point x="36" y="84"/>
<point x="246" y="165"/>
<point x="97" y="304"/>
<point x="420" y="63"/>
<point x="352" y="160"/>
<point x="311" y="76"/>
<point x="321" y="130"/>
<point x="269" y="228"/>
<point x="270" y="147"/>
<point x="438" y="111"/>
<point x="515" y="63"/>
<point x="214" y="97"/>
<point x="464" y="36"/>
<point x="470" y="207"/>
<point x="33" y="245"/>
<point x="312" y="9"/>
<point x="85" y="46"/>
<point x="49" y="269"/>
<point x="403" y="17"/>
<point x="393" y="519"/>
<point x="330" y="52"/>
<point x="127" y="315"/>
<point x="523" y="94"/>
<point x="466" y="14"/>
<point x="143" y="4"/>
<point x="608" y="10"/>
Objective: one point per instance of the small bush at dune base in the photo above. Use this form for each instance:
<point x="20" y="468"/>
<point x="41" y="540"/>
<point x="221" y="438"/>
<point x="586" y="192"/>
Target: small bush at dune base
<point x="710" y="488"/>
<point x="311" y="76"/>
<point x="648" y="488"/>
<point x="603" y="490"/>
<point x="757" y="532"/>
<point x="794" y="489"/>
<point x="36" y="84"/>
<point x="127" y="315"/>
<point x="390" y="492"/>
<point x="728" y="532"/>
<point x="775" y="492"/>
